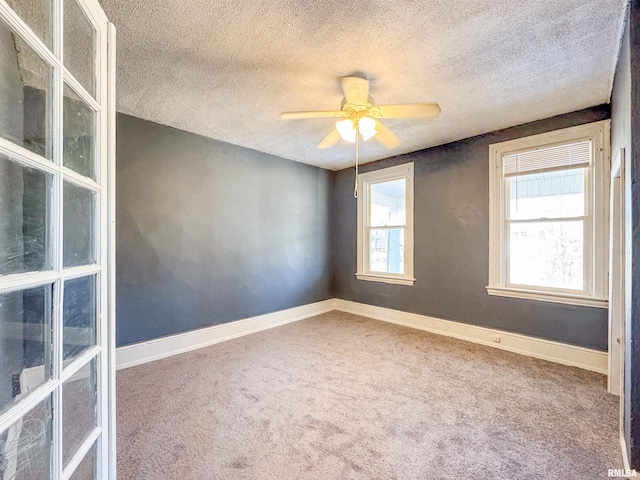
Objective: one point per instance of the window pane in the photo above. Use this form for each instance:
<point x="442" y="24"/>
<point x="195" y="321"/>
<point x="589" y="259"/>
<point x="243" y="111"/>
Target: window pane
<point x="78" y="409"/>
<point x="386" y="250"/>
<point x="547" y="254"/>
<point x="79" y="45"/>
<point x="25" y="343"/>
<point x="387" y="205"/>
<point x="79" y="134"/>
<point x="79" y="316"/>
<point x="24" y="218"/>
<point x="25" y="447"/>
<point x="25" y="86"/>
<point x="78" y="226"/>
<point x="87" y="468"/>
<point x="36" y="14"/>
<point x="547" y="195"/>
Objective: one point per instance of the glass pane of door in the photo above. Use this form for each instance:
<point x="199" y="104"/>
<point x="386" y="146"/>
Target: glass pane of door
<point x="79" y="317"/>
<point x="79" y="134"/>
<point x="38" y="14"/>
<point x="25" y="343"/>
<point x="86" y="470"/>
<point x="26" y="446"/>
<point x="79" y="45"/>
<point x="25" y="239"/>
<point x="79" y="416"/>
<point x="25" y="94"/>
<point x="79" y="211"/>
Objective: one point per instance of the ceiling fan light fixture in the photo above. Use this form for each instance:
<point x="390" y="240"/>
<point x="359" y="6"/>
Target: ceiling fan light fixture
<point x="367" y="127"/>
<point x="347" y="130"/>
<point x="359" y="115"/>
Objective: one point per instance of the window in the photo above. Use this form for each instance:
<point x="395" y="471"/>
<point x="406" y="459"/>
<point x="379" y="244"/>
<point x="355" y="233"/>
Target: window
<point x="548" y="214"/>
<point x="385" y="225"/>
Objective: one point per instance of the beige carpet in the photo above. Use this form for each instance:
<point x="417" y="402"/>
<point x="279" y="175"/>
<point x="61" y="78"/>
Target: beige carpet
<point x="341" y="396"/>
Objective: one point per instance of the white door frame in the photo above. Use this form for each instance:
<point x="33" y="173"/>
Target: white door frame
<point x="615" y="383"/>
<point x="103" y="103"/>
<point x="111" y="245"/>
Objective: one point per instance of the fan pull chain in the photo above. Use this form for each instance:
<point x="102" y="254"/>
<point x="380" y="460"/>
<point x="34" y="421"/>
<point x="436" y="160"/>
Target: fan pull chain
<point x="355" y="187"/>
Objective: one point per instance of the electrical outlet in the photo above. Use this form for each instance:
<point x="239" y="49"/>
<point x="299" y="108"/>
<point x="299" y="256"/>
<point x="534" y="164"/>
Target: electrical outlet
<point x="496" y="339"/>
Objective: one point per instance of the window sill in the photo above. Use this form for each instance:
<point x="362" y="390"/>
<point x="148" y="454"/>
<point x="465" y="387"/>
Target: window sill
<point x="566" y="298"/>
<point x="385" y="279"/>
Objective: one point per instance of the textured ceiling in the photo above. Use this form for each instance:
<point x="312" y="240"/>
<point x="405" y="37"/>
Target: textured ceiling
<point x="226" y="69"/>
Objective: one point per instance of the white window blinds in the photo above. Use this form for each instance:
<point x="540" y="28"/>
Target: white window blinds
<point x="571" y="155"/>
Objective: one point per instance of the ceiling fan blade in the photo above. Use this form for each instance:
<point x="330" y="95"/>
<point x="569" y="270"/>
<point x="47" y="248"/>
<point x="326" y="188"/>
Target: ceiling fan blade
<point x="330" y="140"/>
<point x="305" y="115"/>
<point x="386" y="137"/>
<point x="356" y="90"/>
<point x="409" y="110"/>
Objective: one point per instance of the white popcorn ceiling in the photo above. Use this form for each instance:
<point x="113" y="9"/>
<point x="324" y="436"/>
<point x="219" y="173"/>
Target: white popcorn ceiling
<point x="226" y="69"/>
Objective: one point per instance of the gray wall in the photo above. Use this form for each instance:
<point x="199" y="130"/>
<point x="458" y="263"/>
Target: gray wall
<point x="452" y="244"/>
<point x="209" y="232"/>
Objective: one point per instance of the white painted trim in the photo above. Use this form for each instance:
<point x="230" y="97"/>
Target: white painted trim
<point x="402" y="171"/>
<point x="110" y="429"/>
<point x="596" y="221"/>
<point x="144" y="352"/>
<point x="565" y="354"/>
<point x="616" y="312"/>
<point x="625" y="457"/>
<point x="554" y="297"/>
<point x="385" y="279"/>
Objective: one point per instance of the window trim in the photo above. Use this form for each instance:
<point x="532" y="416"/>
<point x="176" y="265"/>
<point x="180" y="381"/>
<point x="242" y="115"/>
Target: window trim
<point x="596" y="221"/>
<point x="404" y="171"/>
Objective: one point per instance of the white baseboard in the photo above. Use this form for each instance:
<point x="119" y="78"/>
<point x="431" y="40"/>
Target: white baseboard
<point x="625" y="457"/>
<point x="563" y="353"/>
<point x="144" y="352"/>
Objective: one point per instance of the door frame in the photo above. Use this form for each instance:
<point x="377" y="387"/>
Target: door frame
<point x="615" y="382"/>
<point x="103" y="435"/>
<point x="111" y="452"/>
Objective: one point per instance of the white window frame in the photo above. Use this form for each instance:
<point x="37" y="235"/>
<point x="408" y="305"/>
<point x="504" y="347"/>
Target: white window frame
<point x="365" y="180"/>
<point x="596" y="221"/>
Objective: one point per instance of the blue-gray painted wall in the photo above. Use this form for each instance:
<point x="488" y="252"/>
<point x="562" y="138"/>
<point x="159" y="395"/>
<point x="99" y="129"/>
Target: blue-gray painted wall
<point x="451" y="238"/>
<point x="209" y="232"/>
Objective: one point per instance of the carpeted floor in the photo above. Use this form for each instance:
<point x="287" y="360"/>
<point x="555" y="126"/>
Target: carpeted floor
<point x="340" y="396"/>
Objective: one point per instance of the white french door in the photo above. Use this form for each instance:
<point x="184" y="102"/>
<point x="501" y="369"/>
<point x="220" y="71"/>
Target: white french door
<point x="56" y="228"/>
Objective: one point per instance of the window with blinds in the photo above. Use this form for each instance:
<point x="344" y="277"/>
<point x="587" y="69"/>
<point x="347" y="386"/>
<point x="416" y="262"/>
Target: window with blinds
<point x="558" y="157"/>
<point x="543" y="212"/>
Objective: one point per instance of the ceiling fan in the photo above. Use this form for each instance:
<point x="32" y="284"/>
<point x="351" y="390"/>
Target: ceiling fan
<point x="361" y="116"/>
